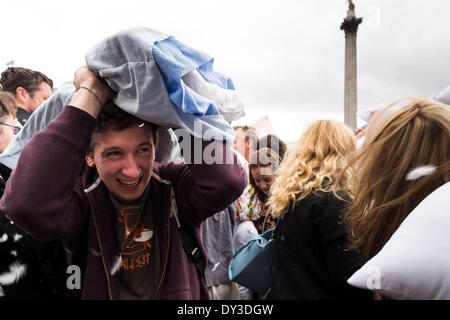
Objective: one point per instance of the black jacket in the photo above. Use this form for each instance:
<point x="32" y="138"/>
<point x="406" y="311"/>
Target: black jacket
<point x="44" y="261"/>
<point x="314" y="262"/>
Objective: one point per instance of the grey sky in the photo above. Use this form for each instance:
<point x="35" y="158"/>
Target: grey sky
<point x="286" y="58"/>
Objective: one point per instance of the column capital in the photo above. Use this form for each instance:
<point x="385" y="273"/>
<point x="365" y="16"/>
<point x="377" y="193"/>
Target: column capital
<point x="350" y="25"/>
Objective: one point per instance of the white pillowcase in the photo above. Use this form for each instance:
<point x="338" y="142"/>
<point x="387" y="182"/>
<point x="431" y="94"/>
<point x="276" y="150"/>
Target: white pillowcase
<point x="415" y="262"/>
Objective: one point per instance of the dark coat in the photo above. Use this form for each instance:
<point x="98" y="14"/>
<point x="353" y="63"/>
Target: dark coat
<point x="45" y="262"/>
<point x="314" y="264"/>
<point x="51" y="195"/>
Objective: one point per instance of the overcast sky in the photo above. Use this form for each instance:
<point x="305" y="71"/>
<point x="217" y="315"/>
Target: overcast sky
<point x="286" y="58"/>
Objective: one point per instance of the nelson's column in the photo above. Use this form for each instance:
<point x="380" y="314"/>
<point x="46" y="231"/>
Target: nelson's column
<point x="350" y="26"/>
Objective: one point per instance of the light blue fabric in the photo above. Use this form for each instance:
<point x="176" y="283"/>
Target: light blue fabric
<point x="175" y="60"/>
<point x="210" y="75"/>
<point x="127" y="63"/>
<point x="145" y="67"/>
<point x="50" y="109"/>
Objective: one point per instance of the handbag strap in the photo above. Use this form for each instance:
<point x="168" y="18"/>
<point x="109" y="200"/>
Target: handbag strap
<point x="272" y="236"/>
<point x="190" y="245"/>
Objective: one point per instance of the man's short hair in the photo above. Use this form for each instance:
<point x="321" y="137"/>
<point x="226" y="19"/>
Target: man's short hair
<point x="111" y="117"/>
<point x="30" y="80"/>
<point x="274" y="143"/>
<point x="249" y="132"/>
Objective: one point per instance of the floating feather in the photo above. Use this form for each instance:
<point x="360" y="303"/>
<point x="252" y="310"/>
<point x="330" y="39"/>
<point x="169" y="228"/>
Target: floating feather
<point x="17" y="237"/>
<point x="215" y="267"/>
<point x="116" y="265"/>
<point x="4" y="238"/>
<point x="16" y="271"/>
<point x="420" y="172"/>
<point x="95" y="253"/>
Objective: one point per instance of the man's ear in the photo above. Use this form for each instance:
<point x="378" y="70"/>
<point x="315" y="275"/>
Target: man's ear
<point x="90" y="161"/>
<point x="250" y="145"/>
<point x="21" y="95"/>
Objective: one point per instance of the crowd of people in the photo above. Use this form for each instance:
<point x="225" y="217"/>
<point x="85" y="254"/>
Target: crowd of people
<point x="88" y="192"/>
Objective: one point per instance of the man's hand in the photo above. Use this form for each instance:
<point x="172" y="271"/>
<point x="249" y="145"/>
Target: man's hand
<point x="91" y="93"/>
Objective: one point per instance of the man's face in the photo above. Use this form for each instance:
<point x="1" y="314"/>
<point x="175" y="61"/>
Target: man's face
<point x="124" y="160"/>
<point x="241" y="145"/>
<point x="34" y="100"/>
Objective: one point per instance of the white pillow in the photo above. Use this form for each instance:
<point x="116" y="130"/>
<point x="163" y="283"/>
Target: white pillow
<point x="415" y="262"/>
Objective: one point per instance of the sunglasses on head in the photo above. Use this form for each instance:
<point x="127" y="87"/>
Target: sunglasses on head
<point x="16" y="129"/>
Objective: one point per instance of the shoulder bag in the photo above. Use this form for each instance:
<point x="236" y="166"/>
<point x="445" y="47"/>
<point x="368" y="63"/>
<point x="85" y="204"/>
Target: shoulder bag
<point x="256" y="264"/>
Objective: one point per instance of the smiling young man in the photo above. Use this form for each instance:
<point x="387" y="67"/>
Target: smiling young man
<point x="119" y="217"/>
<point x="123" y="151"/>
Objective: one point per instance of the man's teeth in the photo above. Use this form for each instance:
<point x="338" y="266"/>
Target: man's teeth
<point x="129" y="182"/>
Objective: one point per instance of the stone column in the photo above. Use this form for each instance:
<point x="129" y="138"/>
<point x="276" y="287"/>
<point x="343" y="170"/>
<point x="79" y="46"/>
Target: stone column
<point x="350" y="26"/>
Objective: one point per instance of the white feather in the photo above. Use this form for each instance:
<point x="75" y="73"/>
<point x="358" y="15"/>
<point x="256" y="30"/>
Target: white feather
<point x="17" y="237"/>
<point x="95" y="252"/>
<point x="419" y="172"/>
<point x="116" y="265"/>
<point x="16" y="271"/>
<point x="4" y="238"/>
<point x="215" y="267"/>
<point x="14" y="253"/>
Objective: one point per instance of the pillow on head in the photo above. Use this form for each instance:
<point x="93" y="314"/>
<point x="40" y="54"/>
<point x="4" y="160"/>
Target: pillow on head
<point x="415" y="262"/>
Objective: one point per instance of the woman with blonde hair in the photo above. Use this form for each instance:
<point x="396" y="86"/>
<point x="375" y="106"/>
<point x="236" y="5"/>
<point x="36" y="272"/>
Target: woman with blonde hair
<point x="405" y="157"/>
<point x="309" y="200"/>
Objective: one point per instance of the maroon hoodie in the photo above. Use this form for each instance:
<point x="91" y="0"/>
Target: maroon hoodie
<point x="52" y="195"/>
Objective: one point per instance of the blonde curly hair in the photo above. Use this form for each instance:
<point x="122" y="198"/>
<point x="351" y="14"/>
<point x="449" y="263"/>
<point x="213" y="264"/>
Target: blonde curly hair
<point x="318" y="157"/>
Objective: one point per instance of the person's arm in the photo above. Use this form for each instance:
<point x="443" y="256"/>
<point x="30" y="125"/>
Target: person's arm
<point x="91" y="93"/>
<point x="44" y="195"/>
<point x="204" y="189"/>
